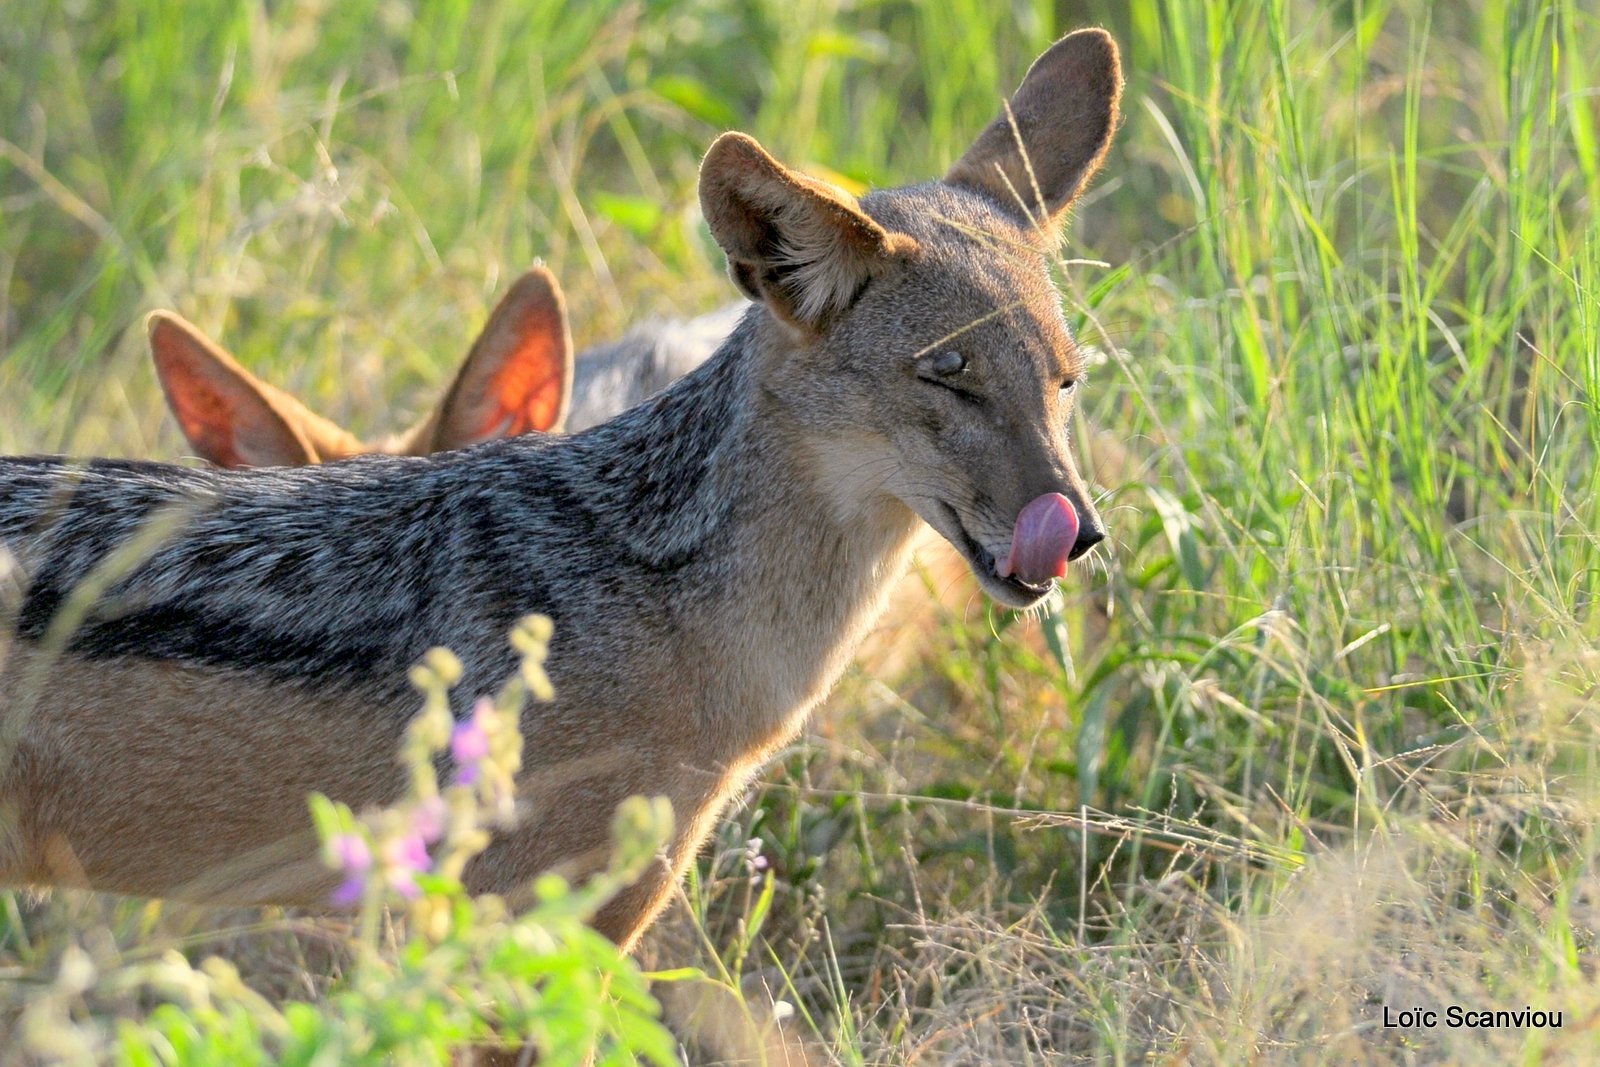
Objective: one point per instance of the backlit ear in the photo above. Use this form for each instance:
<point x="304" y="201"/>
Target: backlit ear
<point x="801" y="246"/>
<point x="1064" y="114"/>
<point x="517" y="377"/>
<point x="232" y="418"/>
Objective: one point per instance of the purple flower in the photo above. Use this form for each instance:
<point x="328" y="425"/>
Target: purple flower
<point x="354" y="858"/>
<point x="350" y="892"/>
<point x="407" y="857"/>
<point x="409" y="853"/>
<point x="469" y="742"/>
<point x="755" y="860"/>
<point x="352" y="854"/>
<point x="428" y="819"/>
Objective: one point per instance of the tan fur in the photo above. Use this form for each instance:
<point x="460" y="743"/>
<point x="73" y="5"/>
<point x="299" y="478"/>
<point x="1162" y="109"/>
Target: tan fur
<point x="153" y="762"/>
<point x="147" y="727"/>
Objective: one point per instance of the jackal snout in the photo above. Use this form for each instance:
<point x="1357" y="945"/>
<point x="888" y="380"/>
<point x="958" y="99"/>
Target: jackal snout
<point x="1056" y="475"/>
<point x="985" y="457"/>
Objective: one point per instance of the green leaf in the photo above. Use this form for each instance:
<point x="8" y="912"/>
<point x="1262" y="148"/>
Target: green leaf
<point x="868" y="46"/>
<point x="1056" y="636"/>
<point x="695" y="99"/>
<point x="1178" y="523"/>
<point x="639" y="215"/>
<point x="1091" y="744"/>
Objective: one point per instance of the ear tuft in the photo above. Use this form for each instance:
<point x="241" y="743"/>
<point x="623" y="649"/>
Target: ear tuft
<point x="1039" y="154"/>
<point x="518" y="376"/>
<point x="802" y="246"/>
<point x="230" y="417"/>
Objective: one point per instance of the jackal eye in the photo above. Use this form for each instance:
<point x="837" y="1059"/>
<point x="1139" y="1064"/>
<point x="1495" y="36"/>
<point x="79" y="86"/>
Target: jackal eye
<point x="946" y="369"/>
<point x="1068" y="385"/>
<point x="946" y="364"/>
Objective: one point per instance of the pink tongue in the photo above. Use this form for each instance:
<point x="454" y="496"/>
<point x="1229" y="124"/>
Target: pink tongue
<point x="1045" y="533"/>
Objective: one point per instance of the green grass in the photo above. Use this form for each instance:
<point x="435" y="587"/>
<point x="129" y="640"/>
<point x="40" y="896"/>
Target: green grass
<point x="1321" y="732"/>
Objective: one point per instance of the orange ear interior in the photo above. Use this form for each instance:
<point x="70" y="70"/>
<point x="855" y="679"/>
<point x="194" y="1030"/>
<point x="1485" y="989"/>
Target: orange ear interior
<point x="526" y="392"/>
<point x="230" y="417"/>
<point x="518" y="376"/>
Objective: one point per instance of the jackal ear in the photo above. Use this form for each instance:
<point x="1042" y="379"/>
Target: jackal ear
<point x="801" y="246"/>
<point x="231" y="417"/>
<point x="517" y="378"/>
<point x="1037" y="158"/>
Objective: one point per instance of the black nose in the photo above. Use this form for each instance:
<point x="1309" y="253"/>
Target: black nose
<point x="1089" y="534"/>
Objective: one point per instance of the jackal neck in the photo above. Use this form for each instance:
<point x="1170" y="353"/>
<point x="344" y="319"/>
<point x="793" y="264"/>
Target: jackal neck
<point x="711" y="460"/>
<point x="720" y="493"/>
<point x="662" y="478"/>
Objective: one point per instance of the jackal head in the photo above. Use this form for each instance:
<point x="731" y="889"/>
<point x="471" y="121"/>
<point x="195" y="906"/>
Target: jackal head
<point x="517" y="377"/>
<point x="919" y="340"/>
